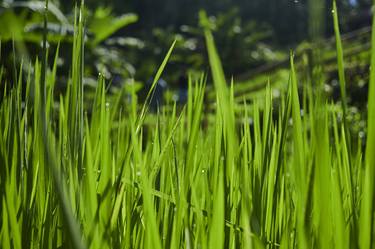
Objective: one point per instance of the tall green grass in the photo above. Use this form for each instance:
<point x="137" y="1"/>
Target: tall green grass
<point x="117" y="176"/>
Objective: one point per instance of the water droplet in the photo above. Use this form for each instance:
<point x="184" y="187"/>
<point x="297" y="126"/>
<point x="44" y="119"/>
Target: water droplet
<point x="361" y="134"/>
<point x="276" y="93"/>
<point x="250" y="121"/>
<point x="290" y="121"/>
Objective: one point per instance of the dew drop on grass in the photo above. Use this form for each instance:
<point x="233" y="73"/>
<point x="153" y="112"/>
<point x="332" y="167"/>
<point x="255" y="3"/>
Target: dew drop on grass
<point x="250" y="121"/>
<point x="276" y="93"/>
<point x="361" y="134"/>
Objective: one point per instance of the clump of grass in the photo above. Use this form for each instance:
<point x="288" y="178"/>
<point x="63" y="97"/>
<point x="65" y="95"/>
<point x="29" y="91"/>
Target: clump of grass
<point x="112" y="180"/>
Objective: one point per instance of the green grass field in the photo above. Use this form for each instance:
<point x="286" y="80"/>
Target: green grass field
<point x="114" y="175"/>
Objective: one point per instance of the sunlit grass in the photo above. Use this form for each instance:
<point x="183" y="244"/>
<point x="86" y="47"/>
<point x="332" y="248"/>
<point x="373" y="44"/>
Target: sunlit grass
<point x="268" y="177"/>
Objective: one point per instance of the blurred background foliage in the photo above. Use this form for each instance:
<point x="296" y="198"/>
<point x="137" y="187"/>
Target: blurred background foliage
<point x="126" y="40"/>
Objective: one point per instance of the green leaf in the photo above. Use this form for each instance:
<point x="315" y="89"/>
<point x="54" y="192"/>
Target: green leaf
<point x="104" y="26"/>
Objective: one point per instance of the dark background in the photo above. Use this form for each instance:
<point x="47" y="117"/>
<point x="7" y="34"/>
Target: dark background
<point x="248" y="33"/>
